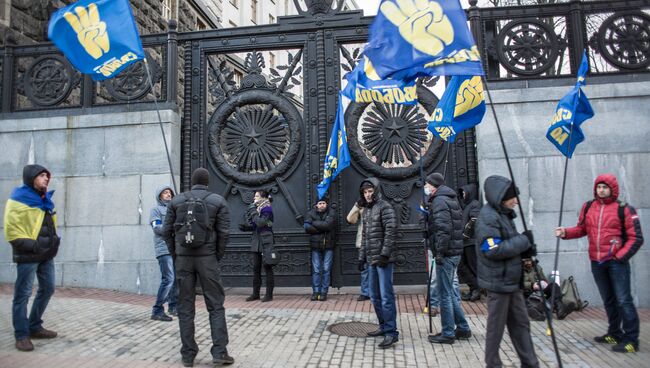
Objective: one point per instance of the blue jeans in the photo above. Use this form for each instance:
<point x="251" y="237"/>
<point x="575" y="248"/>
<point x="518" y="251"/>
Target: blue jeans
<point x="321" y="263"/>
<point x="433" y="289"/>
<point x="365" y="288"/>
<point x="382" y="297"/>
<point x="168" y="290"/>
<point x="44" y="271"/>
<point x="451" y="314"/>
<point x="613" y="281"/>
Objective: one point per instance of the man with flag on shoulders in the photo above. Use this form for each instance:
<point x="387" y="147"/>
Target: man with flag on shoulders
<point x="30" y="228"/>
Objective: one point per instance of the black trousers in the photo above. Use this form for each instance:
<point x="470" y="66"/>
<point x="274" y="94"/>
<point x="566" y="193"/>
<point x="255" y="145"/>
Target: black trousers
<point x="188" y="271"/>
<point x="467" y="267"/>
<point x="508" y="310"/>
<point x="257" y="275"/>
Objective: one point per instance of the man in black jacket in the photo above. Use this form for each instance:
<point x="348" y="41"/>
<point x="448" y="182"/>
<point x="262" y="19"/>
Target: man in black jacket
<point x="499" y="253"/>
<point x="378" y="251"/>
<point x="446" y="228"/>
<point x="30" y="228"/>
<point x="202" y="262"/>
<point x="319" y="223"/>
<point x="467" y="266"/>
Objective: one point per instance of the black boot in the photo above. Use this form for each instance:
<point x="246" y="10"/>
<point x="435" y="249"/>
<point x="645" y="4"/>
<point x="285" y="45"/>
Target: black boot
<point x="254" y="296"/>
<point x="475" y="295"/>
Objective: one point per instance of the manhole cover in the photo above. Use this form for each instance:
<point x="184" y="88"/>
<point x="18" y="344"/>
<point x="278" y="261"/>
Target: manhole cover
<point x="352" y="329"/>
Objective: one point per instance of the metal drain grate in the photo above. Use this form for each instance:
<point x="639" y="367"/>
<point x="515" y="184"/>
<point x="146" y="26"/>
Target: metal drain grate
<point x="352" y="329"/>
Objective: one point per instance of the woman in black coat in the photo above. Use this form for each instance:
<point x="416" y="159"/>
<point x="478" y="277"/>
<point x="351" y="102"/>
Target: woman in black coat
<point x="259" y="220"/>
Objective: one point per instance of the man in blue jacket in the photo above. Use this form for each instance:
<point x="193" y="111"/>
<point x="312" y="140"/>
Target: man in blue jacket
<point x="167" y="291"/>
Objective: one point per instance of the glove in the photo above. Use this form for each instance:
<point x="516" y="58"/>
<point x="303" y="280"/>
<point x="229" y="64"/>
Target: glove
<point x="529" y="235"/>
<point x="361" y="266"/>
<point x="380" y="261"/>
<point x="361" y="203"/>
<point x="439" y="260"/>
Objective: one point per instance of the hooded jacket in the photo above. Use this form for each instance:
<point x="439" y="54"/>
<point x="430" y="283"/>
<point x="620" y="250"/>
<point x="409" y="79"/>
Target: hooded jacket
<point x="471" y="208"/>
<point x="603" y="227"/>
<point x="218" y="217"/>
<point x="319" y="226"/>
<point x="156" y="220"/>
<point x="30" y="220"/>
<point x="499" y="245"/>
<point x="379" y="224"/>
<point x="445" y="223"/>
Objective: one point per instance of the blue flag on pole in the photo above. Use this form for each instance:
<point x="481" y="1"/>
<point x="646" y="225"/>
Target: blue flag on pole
<point x="461" y="107"/>
<point x="99" y="37"/>
<point x="338" y="155"/>
<point x="420" y="37"/>
<point x="572" y="110"/>
<point x="365" y="86"/>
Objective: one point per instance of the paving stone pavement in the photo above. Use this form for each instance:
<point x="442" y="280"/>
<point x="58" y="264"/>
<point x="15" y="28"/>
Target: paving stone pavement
<point x="102" y="328"/>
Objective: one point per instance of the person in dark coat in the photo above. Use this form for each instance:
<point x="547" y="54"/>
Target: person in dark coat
<point x="259" y="220"/>
<point x="499" y="254"/>
<point x="203" y="263"/>
<point x="319" y="224"/>
<point x="467" y="267"/>
<point x="446" y="242"/>
<point x="378" y="251"/>
<point x="30" y="228"/>
<point x="167" y="291"/>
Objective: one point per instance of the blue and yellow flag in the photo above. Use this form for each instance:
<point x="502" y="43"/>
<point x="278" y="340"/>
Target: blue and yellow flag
<point x="421" y="37"/>
<point x="338" y="155"/>
<point x="461" y="107"/>
<point x="99" y="37"/>
<point x="24" y="213"/>
<point x="572" y="110"/>
<point x="365" y="86"/>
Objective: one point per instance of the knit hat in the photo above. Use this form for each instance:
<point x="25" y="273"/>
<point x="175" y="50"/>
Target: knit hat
<point x="200" y="176"/>
<point x="511" y="192"/>
<point x="366" y="184"/>
<point x="435" y="179"/>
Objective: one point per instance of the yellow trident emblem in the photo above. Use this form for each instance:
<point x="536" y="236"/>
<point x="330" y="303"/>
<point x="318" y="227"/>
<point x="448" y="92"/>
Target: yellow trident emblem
<point x="91" y="31"/>
<point x="422" y="23"/>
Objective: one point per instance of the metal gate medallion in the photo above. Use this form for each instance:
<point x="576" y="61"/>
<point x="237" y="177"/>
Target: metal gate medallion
<point x="352" y="329"/>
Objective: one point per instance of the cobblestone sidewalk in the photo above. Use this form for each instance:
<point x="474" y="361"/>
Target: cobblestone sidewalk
<point x="99" y="328"/>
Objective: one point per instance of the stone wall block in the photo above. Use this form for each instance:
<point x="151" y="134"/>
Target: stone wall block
<point x="136" y="149"/>
<point x="103" y="201"/>
<point x="128" y="243"/>
<point x="80" y="244"/>
<point x="16" y="148"/>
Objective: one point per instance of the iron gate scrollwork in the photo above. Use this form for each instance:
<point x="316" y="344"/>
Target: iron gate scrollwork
<point x="260" y="126"/>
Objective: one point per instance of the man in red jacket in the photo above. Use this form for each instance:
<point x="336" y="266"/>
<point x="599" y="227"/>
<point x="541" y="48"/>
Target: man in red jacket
<point x="614" y="234"/>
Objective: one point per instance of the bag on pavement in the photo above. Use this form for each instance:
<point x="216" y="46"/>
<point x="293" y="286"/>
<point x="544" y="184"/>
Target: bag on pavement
<point x="570" y="294"/>
<point x="535" y="307"/>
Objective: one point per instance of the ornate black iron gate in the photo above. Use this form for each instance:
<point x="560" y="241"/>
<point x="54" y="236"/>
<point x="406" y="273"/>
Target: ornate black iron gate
<point x="255" y="124"/>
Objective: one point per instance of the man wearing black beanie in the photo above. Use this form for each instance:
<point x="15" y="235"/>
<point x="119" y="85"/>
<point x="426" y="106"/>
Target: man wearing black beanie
<point x="196" y="230"/>
<point x="499" y="251"/>
<point x="445" y="229"/>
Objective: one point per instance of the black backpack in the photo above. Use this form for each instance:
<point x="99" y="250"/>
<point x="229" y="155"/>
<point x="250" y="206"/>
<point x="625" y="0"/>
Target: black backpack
<point x="535" y="306"/>
<point x="195" y="228"/>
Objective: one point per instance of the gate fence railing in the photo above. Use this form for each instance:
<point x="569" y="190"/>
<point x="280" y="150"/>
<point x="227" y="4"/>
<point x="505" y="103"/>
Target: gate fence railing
<point x="532" y="42"/>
